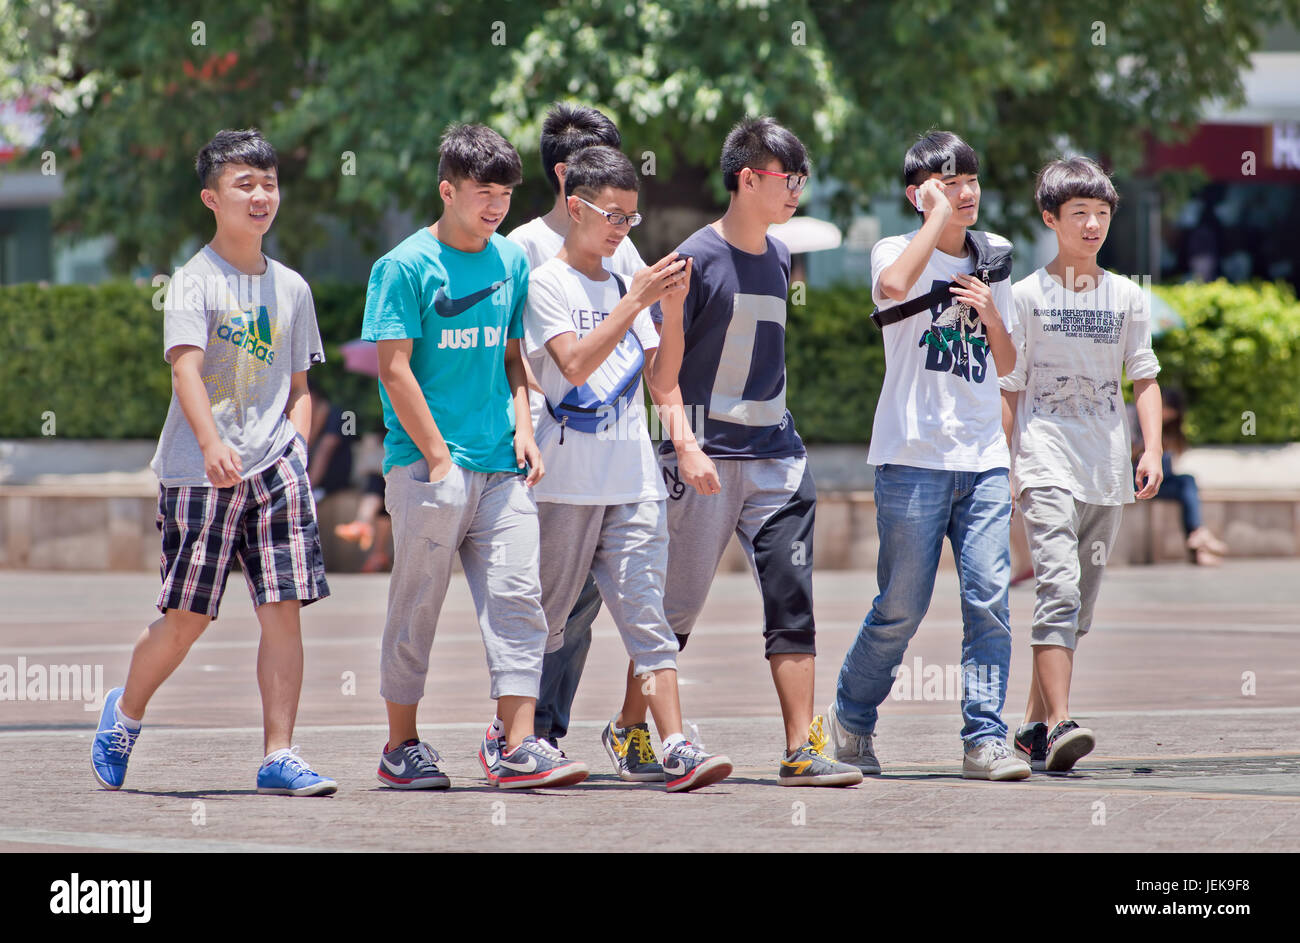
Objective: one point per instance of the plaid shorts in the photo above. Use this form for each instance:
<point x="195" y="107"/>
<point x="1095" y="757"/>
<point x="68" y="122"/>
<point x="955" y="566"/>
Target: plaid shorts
<point x="267" y="521"/>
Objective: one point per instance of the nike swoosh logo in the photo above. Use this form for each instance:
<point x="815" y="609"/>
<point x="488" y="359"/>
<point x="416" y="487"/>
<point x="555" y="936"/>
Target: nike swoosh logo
<point x="449" y="307"/>
<point x="395" y="769"/>
<point x="674" y="770"/>
<point x="528" y="767"/>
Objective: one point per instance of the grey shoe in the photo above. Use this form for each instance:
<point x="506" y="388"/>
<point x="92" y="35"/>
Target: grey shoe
<point x="412" y="765"/>
<point x="632" y="754"/>
<point x="687" y="767"/>
<point x="535" y="763"/>
<point x="851" y="748"/>
<point x="992" y="759"/>
<point x="809" y="766"/>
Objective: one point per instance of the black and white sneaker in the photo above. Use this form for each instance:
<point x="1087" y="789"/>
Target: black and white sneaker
<point x="536" y="763"/>
<point x="1067" y="744"/>
<point x="1031" y="745"/>
<point x="412" y="766"/>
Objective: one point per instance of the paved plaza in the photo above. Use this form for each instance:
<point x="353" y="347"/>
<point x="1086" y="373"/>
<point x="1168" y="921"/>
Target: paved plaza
<point x="1190" y="678"/>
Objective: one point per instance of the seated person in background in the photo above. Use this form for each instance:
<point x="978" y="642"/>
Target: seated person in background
<point x="1204" y="548"/>
<point x="329" y="447"/>
<point x="372" y="528"/>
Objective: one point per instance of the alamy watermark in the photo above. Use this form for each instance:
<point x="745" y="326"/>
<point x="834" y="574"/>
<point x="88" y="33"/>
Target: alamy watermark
<point x="922" y="682"/>
<point x="33" y="682"/>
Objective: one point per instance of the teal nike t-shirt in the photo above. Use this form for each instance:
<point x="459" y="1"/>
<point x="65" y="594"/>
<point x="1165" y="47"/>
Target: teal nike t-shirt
<point x="459" y="308"/>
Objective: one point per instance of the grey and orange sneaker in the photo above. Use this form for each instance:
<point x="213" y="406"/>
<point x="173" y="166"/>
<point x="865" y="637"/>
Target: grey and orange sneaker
<point x="687" y="767"/>
<point x="810" y="766"/>
<point x="535" y="763"/>
<point x="1030" y="745"/>
<point x="412" y="765"/>
<point x="631" y="752"/>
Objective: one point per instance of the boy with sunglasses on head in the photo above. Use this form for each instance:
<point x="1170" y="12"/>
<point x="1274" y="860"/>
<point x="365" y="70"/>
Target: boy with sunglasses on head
<point x="742" y="470"/>
<point x="568" y="128"/>
<point x="601" y="507"/>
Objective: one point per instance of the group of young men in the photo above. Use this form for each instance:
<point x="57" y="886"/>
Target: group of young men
<point x="511" y="375"/>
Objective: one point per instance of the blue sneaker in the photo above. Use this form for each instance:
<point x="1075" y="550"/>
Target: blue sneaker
<point x="112" y="745"/>
<point x="287" y="775"/>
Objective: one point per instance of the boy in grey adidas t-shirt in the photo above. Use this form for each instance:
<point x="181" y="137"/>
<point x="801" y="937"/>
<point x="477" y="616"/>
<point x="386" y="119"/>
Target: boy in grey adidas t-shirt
<point x="239" y="332"/>
<point x="242" y="323"/>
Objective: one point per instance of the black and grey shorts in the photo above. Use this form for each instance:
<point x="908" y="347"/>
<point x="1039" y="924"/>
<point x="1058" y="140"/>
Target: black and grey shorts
<point x="770" y="505"/>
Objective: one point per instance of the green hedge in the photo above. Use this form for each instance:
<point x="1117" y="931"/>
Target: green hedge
<point x="1238" y="352"/>
<point x="93" y="356"/>
<point x="835" y="364"/>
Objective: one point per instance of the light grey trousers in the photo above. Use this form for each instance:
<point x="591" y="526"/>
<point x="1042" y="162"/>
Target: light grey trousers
<point x="491" y="520"/>
<point x="625" y="547"/>
<point x="1070" y="542"/>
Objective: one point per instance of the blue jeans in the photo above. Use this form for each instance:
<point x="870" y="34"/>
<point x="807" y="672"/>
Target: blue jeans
<point x="915" y="508"/>
<point x="1180" y="488"/>
<point x="562" y="668"/>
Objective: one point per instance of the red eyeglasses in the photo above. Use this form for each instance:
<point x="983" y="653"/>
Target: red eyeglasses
<point x="795" y="182"/>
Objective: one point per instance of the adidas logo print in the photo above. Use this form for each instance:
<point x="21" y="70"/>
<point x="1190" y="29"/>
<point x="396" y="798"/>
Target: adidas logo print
<point x="251" y="333"/>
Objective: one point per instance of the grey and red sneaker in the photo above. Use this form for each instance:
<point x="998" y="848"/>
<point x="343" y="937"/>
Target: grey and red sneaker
<point x="687" y="767"/>
<point x="1067" y="744"/>
<point x="412" y="766"/>
<point x="535" y="763"/>
<point x="1030" y="745"/>
<point x="489" y="756"/>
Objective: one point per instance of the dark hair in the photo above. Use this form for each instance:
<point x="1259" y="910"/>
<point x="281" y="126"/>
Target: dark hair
<point x="1171" y="430"/>
<point x="938" y="152"/>
<point x="1073" y="178"/>
<point x="592" y="169"/>
<point x="233" y="147"/>
<point x="479" y="153"/>
<point x="755" y="141"/>
<point x="567" y="130"/>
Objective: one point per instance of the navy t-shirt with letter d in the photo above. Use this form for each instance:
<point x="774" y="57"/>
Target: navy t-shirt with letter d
<point x="733" y="370"/>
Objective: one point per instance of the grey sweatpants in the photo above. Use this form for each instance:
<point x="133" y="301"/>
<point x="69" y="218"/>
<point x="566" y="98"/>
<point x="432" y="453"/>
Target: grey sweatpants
<point x="1070" y="542"/>
<point x="625" y="547"/>
<point x="491" y="519"/>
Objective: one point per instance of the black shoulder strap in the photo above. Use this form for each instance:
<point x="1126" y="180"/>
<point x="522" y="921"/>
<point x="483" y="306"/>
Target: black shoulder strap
<point x="622" y="289"/>
<point x="991" y="266"/>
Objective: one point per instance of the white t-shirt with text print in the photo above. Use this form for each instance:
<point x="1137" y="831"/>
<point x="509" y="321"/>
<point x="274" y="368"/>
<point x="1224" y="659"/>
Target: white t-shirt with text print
<point x="614" y="466"/>
<point x="1071" y="429"/>
<point x="940" y="405"/>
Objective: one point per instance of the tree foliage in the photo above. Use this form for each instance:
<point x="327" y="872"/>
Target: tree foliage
<point x="129" y="93"/>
